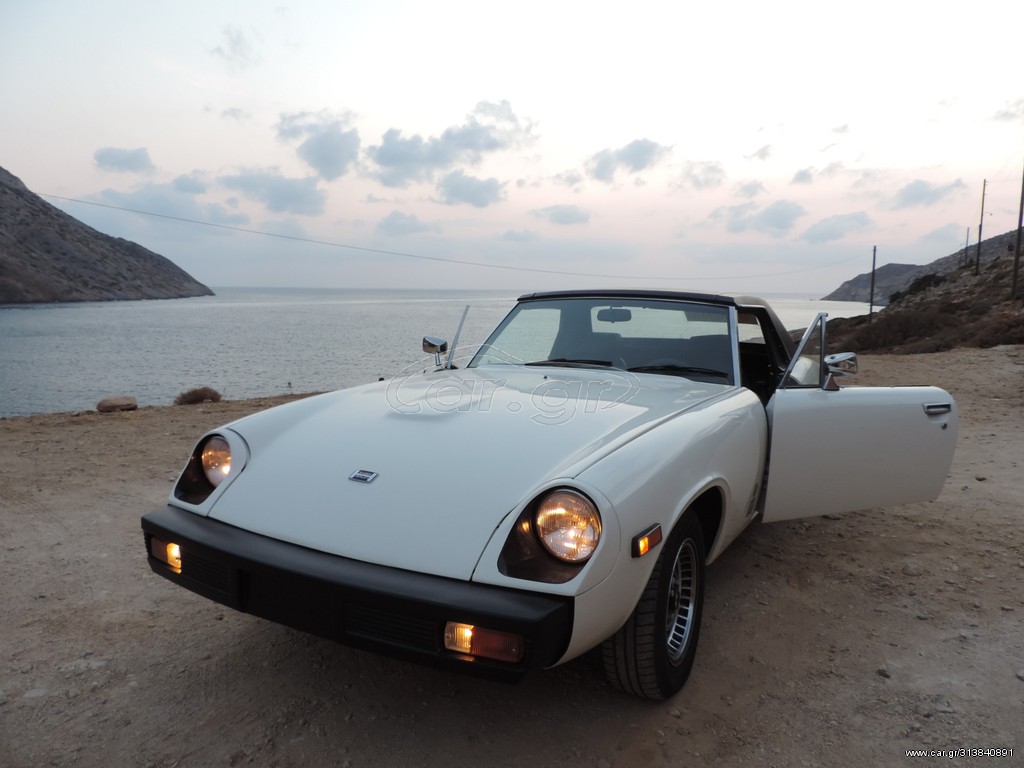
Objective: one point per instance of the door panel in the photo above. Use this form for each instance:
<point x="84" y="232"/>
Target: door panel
<point x="856" y="448"/>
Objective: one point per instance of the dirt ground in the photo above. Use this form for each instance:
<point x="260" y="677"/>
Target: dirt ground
<point x="827" y="642"/>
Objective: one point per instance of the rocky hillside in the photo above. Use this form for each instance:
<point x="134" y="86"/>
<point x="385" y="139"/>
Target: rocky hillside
<point x="941" y="310"/>
<point x="896" y="278"/>
<point x="46" y="255"/>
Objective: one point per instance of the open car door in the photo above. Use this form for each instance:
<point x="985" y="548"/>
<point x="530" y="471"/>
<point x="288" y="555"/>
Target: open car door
<point x="838" y="449"/>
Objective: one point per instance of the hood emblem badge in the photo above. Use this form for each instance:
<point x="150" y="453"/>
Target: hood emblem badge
<point x="363" y="476"/>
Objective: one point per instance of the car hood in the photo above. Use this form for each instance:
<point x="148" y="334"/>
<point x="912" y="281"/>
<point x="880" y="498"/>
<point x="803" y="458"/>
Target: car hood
<point x="453" y="451"/>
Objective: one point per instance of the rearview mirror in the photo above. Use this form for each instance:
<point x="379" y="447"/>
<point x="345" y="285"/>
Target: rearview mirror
<point x="614" y="315"/>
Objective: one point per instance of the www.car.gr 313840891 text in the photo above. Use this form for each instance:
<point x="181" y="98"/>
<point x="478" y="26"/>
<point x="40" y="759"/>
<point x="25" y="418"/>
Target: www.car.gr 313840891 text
<point x="962" y="752"/>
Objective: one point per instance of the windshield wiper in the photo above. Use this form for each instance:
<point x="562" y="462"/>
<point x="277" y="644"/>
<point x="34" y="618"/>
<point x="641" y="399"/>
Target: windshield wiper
<point x="681" y="369"/>
<point x="570" y="363"/>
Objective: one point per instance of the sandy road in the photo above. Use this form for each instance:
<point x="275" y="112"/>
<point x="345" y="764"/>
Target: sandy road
<point x="827" y="642"/>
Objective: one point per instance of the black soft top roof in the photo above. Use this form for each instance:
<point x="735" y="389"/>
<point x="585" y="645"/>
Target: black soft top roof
<point x="602" y="293"/>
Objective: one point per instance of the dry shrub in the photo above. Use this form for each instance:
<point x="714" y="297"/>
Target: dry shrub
<point x="1008" y="329"/>
<point x="922" y="283"/>
<point x="979" y="309"/>
<point x="926" y="346"/>
<point x="898" y="328"/>
<point x="198" y="395"/>
<point x="841" y="331"/>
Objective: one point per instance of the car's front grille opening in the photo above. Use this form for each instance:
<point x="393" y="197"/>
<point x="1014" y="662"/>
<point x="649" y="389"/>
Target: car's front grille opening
<point x="206" y="572"/>
<point x="394" y="628"/>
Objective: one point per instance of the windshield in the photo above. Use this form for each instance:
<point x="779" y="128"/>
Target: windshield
<point x="641" y="335"/>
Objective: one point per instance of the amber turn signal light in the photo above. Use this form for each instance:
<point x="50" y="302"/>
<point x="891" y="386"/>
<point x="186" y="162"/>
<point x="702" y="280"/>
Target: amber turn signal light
<point x="485" y="643"/>
<point x="167" y="552"/>
<point x="646" y="541"/>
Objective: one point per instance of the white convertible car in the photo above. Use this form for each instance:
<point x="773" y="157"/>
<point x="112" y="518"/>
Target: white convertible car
<point x="560" y="493"/>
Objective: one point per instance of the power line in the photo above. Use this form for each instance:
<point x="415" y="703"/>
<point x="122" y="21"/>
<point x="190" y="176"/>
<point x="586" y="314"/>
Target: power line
<point x="423" y="257"/>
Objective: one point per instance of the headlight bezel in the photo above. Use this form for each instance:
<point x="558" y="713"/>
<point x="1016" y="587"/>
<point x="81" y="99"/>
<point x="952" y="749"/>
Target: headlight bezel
<point x="524" y="554"/>
<point x="195" y="486"/>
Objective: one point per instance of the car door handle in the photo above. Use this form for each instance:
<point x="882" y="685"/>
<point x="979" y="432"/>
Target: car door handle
<point x="936" y="409"/>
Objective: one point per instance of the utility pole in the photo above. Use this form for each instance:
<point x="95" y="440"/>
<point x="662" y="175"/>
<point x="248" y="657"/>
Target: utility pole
<point x="1016" y="258"/>
<point x="871" y="306"/>
<point x="977" y="261"/>
<point x="967" y="245"/>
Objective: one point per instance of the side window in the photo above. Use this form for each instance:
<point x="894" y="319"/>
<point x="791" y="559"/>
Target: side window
<point x="750" y="328"/>
<point x="806" y="369"/>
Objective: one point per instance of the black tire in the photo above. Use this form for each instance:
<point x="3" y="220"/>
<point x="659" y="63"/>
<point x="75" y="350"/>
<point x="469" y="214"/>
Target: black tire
<point x="652" y="654"/>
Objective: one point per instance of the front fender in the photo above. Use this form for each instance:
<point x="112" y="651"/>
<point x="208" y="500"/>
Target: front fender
<point x="656" y="479"/>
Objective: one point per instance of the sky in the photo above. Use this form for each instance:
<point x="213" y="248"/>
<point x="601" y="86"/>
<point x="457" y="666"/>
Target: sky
<point x="734" y="146"/>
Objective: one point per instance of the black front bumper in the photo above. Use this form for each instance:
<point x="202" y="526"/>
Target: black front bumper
<point x="383" y="609"/>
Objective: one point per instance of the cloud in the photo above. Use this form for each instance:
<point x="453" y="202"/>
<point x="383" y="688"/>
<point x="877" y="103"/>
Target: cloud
<point x="330" y="152"/>
<point x="173" y="201"/>
<point x="563" y="214"/>
<point x="836" y="227"/>
<point x="236" y="50"/>
<point x="235" y="113"/>
<point x="278" y="193"/>
<point x="127" y="160"/>
<point x="845" y="128"/>
<point x="923" y="193"/>
<point x="571" y="179"/>
<point x="703" y="175"/>
<point x="775" y="220"/>
<point x="751" y="189"/>
<point x="803" y="176"/>
<point x="1013" y="111"/>
<point x="808" y="175"/>
<point x="457" y="188"/>
<point x="190" y="185"/>
<point x="329" y="147"/>
<point x="398" y="223"/>
<point x="636" y="156"/>
<point x="870" y="180"/>
<point x="762" y="154"/>
<point x="491" y="127"/>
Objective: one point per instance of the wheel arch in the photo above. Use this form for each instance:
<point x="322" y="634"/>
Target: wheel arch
<point x="709" y="507"/>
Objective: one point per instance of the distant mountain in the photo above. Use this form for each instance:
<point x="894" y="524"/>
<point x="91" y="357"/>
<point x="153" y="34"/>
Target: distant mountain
<point x="896" y="278"/>
<point x="47" y="255"/>
<point x="889" y="278"/>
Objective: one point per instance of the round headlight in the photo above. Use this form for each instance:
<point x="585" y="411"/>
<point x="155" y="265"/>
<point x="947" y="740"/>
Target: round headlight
<point x="568" y="526"/>
<point x="216" y="460"/>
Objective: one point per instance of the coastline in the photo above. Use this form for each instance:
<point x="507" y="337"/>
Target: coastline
<point x="243" y="343"/>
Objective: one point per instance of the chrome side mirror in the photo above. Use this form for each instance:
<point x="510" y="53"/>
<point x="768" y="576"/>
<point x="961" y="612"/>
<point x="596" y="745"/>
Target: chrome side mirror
<point x="839" y="364"/>
<point x="436" y="347"/>
<point x="842" y="363"/>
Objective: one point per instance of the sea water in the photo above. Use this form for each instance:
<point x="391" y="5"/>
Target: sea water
<point x="247" y="342"/>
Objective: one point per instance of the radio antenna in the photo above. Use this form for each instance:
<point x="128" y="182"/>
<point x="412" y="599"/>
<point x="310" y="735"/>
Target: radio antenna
<point x="455" y="341"/>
